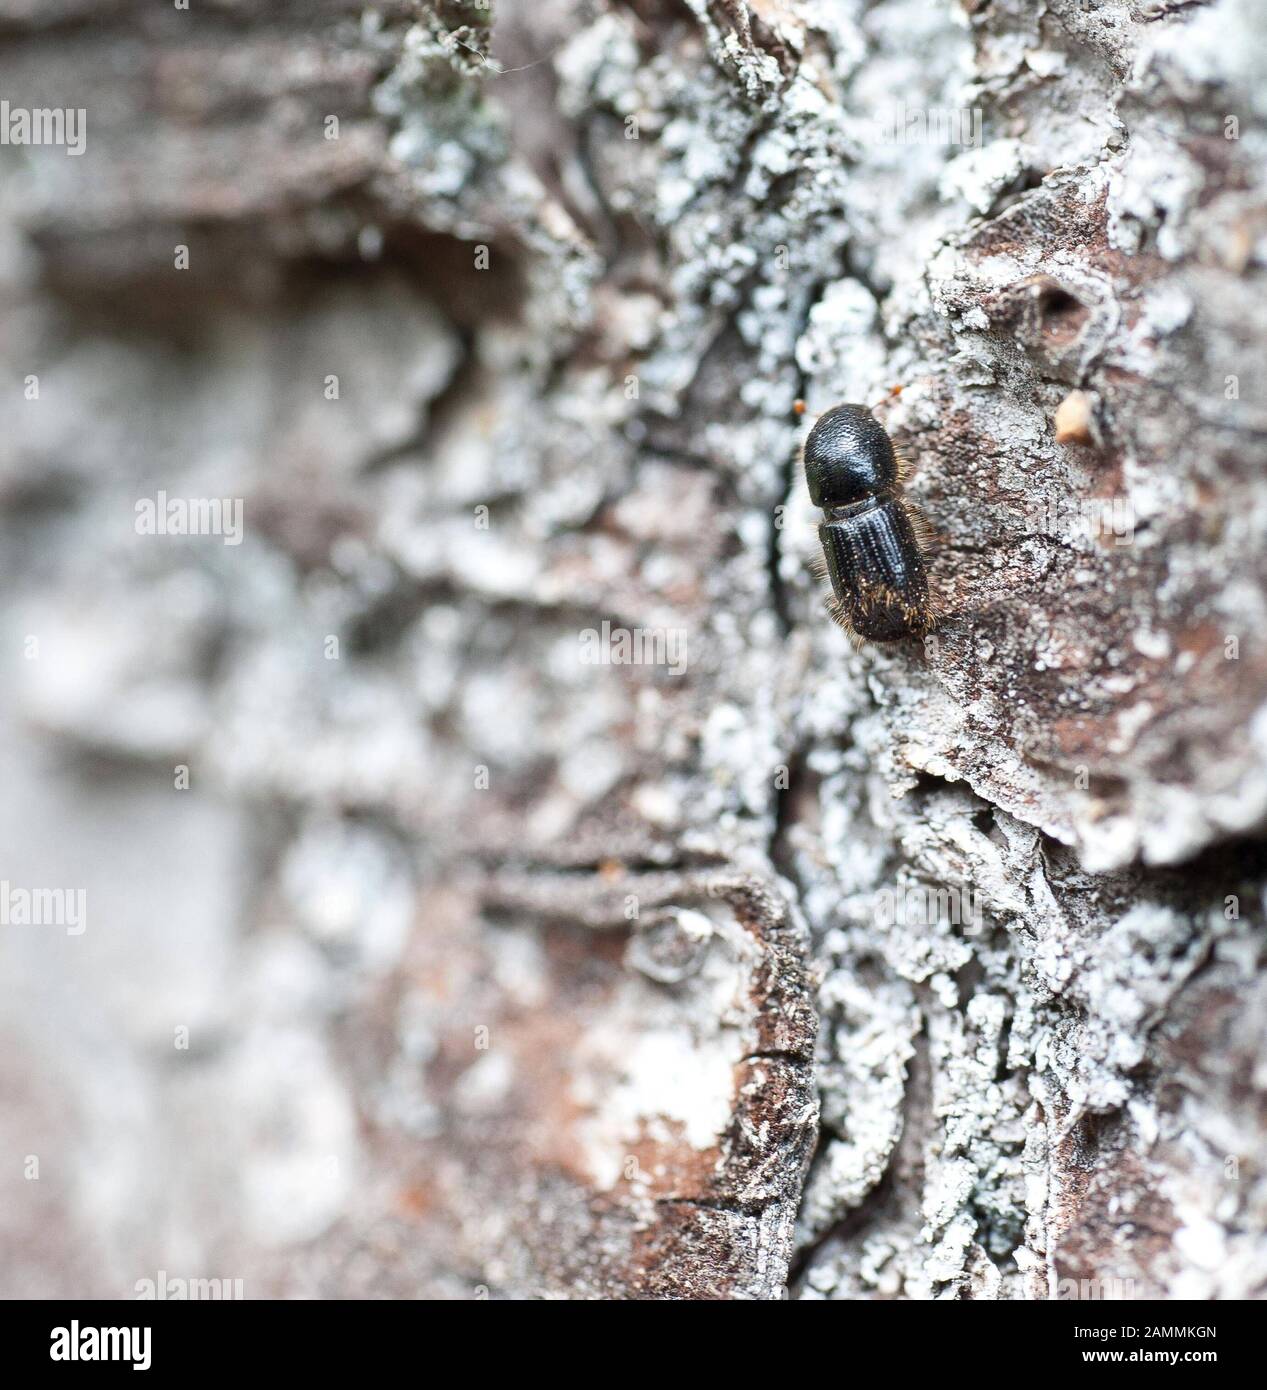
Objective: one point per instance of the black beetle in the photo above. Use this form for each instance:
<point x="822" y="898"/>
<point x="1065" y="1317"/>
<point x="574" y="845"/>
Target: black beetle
<point x="873" y="539"/>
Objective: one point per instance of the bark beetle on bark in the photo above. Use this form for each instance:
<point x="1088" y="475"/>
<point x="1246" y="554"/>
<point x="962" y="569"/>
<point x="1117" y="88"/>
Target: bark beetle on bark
<point x="758" y="965"/>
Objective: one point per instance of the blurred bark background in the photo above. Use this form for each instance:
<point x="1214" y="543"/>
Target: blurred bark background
<point x="928" y="971"/>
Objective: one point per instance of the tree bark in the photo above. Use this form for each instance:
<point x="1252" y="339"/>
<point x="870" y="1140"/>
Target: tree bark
<point x="575" y="912"/>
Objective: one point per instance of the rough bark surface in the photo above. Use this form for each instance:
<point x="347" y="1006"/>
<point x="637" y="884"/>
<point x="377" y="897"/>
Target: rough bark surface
<point x="926" y="971"/>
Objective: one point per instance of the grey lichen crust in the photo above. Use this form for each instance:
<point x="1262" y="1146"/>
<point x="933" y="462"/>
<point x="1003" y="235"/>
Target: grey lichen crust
<point x="929" y="972"/>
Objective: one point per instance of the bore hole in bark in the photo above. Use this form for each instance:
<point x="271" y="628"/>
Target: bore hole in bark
<point x="1063" y="316"/>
